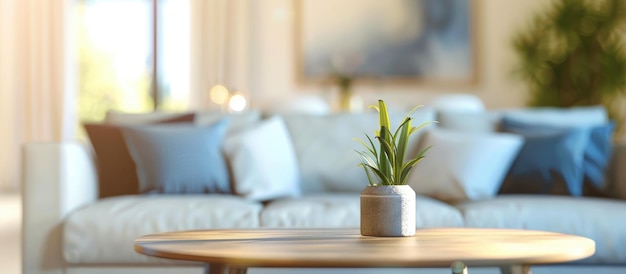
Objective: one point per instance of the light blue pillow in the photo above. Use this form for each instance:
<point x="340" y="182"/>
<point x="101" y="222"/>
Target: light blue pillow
<point x="179" y="158"/>
<point x="547" y="152"/>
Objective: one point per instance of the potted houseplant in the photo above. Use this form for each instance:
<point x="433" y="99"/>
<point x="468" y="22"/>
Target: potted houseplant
<point x="388" y="203"/>
<point x="574" y="54"/>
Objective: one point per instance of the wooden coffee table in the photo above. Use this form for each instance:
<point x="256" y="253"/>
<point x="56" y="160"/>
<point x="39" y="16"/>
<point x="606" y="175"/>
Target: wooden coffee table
<point x="233" y="251"/>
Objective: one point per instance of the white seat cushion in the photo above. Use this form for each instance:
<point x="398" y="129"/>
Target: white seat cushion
<point x="343" y="211"/>
<point x="601" y="220"/>
<point x="104" y="232"/>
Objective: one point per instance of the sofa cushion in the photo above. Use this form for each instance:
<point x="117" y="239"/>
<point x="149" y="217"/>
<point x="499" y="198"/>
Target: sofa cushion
<point x="131" y="118"/>
<point x="588" y="217"/>
<point x="566" y="117"/>
<point x="325" y="147"/>
<point x="464" y="102"/>
<point x="488" y="121"/>
<point x="179" y="158"/>
<point x="117" y="173"/>
<point x="104" y="232"/>
<point x="343" y="211"/>
<point x="596" y="152"/>
<point x="546" y="158"/>
<point x="479" y="165"/>
<point x="263" y="161"/>
<point x="238" y="121"/>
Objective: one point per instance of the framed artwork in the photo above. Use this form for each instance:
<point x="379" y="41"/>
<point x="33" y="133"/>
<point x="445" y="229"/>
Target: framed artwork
<point x="424" y="41"/>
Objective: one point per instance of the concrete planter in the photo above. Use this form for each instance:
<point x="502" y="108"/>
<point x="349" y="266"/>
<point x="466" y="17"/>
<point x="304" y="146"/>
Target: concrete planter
<point x="388" y="211"/>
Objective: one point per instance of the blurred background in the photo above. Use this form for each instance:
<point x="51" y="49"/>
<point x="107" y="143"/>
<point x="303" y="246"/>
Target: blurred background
<point x="65" y="62"/>
<point x="256" y="47"/>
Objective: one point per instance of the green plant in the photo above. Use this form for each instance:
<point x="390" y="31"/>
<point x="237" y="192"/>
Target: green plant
<point x="573" y="54"/>
<point x="387" y="162"/>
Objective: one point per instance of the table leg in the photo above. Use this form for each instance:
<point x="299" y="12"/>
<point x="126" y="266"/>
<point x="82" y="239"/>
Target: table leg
<point x="224" y="269"/>
<point x="515" y="269"/>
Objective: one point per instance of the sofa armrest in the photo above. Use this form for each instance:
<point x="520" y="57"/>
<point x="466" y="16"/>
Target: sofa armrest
<point x="57" y="178"/>
<point x="617" y="176"/>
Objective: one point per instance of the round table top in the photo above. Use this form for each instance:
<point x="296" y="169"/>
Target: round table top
<point x="347" y="248"/>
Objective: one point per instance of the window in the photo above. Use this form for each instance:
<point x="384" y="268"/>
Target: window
<point x="174" y="47"/>
<point x="116" y="56"/>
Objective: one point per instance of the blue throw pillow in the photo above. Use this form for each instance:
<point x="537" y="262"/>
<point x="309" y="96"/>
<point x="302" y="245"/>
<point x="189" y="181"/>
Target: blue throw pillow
<point x="179" y="158"/>
<point x="597" y="152"/>
<point x="547" y="156"/>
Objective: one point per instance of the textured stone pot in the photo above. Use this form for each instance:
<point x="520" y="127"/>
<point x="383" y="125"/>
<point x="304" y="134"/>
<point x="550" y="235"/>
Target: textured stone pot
<point x="388" y="211"/>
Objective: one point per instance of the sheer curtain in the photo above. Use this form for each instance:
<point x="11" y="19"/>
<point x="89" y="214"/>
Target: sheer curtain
<point x="36" y="81"/>
<point x="219" y="53"/>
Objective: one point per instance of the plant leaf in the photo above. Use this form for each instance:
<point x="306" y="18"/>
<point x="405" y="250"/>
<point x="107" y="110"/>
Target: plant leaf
<point x="421" y="153"/>
<point x="387" y="152"/>
<point x="367" y="172"/>
<point x="384" y="179"/>
<point x="368" y="162"/>
<point x="385" y="160"/>
<point x="406" y="168"/>
<point x="384" y="115"/>
<point x="403" y="139"/>
<point x="415" y="129"/>
<point x="367" y="159"/>
<point x="370" y="149"/>
<point x="406" y="120"/>
<point x="412" y="110"/>
<point x="375" y="150"/>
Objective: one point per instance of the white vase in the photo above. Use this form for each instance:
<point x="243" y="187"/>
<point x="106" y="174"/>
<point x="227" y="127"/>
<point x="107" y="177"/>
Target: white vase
<point x="388" y="211"/>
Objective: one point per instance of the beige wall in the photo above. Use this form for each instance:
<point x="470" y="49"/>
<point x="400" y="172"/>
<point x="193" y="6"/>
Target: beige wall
<point x="272" y="73"/>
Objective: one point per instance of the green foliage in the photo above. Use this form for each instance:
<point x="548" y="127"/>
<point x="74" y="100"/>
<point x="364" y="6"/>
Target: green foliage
<point x="573" y="54"/>
<point x="386" y="164"/>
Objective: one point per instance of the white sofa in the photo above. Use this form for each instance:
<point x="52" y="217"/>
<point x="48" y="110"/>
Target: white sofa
<point x="68" y="229"/>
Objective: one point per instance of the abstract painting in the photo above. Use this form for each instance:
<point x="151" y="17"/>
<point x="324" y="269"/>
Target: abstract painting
<point x="416" y="40"/>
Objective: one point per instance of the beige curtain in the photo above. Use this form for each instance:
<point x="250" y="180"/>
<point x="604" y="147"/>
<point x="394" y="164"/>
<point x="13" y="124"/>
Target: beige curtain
<point x="36" y="101"/>
<point x="219" y="48"/>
